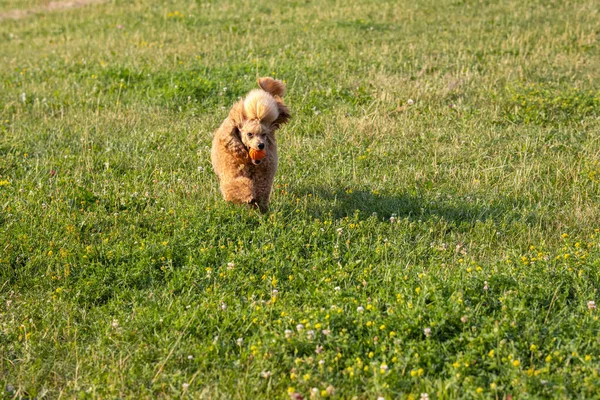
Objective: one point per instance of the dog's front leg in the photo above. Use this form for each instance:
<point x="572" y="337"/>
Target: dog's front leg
<point x="238" y="190"/>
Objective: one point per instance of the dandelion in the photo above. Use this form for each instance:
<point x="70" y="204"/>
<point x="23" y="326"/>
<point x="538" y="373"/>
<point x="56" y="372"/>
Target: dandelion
<point x="319" y="349"/>
<point x="299" y="327"/>
<point x="591" y="305"/>
<point x="411" y="102"/>
<point x="288" y="333"/>
<point x="384" y="368"/>
<point x="427" y="332"/>
<point x="360" y="309"/>
<point x="240" y="341"/>
<point x="516" y="363"/>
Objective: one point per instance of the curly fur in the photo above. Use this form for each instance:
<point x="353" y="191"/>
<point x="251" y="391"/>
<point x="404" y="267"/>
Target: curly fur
<point x="251" y="123"/>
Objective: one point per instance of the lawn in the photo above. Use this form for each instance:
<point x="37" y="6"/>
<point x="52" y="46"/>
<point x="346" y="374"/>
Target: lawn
<point x="434" y="228"/>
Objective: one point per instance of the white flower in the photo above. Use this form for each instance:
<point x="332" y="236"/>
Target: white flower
<point x="427" y="331"/>
<point x="275" y="291"/>
<point x="23" y="97"/>
<point x="321" y="362"/>
<point x="360" y="309"/>
<point x="115" y="323"/>
<point x="299" y="327"/>
<point x="240" y="341"/>
<point x="337" y="288"/>
<point x="288" y="333"/>
<point x="190" y="357"/>
<point x="485" y="286"/>
<point x="424" y="396"/>
<point x="265" y="374"/>
<point x="464" y="319"/>
<point x="384" y="368"/>
<point x="326" y="332"/>
<point x="339" y="231"/>
<point x="223" y="306"/>
<point x="310" y="334"/>
<point x="591" y="305"/>
<point x="230" y="265"/>
<point x="185" y="386"/>
<point x="381" y="398"/>
<point x="319" y="349"/>
<point x="410" y="102"/>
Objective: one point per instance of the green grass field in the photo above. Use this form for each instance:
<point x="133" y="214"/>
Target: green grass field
<point x="434" y="226"/>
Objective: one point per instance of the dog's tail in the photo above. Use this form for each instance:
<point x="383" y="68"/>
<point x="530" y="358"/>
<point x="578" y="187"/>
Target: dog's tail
<point x="273" y="86"/>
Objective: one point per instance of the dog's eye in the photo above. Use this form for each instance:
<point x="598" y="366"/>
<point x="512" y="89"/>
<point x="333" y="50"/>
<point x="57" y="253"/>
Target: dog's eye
<point x="250" y="134"/>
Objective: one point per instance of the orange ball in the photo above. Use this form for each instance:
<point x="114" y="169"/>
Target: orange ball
<point x="257" y="154"/>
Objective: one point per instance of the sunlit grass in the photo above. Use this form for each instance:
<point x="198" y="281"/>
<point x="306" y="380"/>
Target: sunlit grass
<point x="434" y="224"/>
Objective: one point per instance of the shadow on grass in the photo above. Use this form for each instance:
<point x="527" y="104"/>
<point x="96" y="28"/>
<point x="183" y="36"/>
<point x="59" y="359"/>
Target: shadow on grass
<point x="461" y="210"/>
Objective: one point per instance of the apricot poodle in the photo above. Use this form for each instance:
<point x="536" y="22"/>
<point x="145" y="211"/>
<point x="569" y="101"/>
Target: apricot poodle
<point x="251" y="124"/>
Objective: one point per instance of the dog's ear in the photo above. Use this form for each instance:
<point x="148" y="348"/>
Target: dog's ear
<point x="284" y="114"/>
<point x="237" y="114"/>
<point x="230" y="134"/>
<point x="273" y="86"/>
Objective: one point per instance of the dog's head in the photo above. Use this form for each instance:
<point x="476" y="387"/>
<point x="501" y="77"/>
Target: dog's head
<point x="260" y="114"/>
